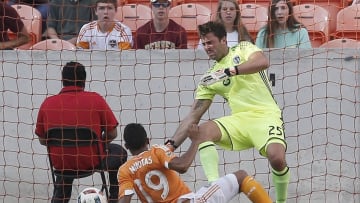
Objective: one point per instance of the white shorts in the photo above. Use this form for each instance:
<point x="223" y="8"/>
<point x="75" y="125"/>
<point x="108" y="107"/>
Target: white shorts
<point x="220" y="191"/>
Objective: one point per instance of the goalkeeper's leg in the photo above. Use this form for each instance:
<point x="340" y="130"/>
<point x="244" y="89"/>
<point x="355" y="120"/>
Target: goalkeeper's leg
<point x="280" y="170"/>
<point x="209" y="157"/>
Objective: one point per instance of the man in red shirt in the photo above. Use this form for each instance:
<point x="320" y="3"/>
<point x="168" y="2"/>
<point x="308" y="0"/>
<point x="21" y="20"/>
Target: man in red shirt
<point x="160" y="32"/>
<point x="10" y="20"/>
<point x="75" y="107"/>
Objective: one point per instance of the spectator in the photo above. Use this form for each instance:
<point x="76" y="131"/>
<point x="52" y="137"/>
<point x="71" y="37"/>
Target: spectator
<point x="161" y="32"/>
<point x="282" y="29"/>
<point x="75" y="107"/>
<point x="67" y="17"/>
<point x="106" y="33"/>
<point x="40" y="5"/>
<point x="160" y="164"/>
<point x="239" y="76"/>
<point x="10" y="20"/>
<point x="228" y="13"/>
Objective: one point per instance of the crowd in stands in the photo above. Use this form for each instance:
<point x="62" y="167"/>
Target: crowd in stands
<point x="92" y="24"/>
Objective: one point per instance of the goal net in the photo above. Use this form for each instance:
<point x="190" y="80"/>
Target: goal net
<point x="317" y="89"/>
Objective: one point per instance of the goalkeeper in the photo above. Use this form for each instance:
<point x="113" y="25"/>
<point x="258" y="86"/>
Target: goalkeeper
<point x="239" y="77"/>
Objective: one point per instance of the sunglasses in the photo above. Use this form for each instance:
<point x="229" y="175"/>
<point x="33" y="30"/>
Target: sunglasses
<point x="164" y="5"/>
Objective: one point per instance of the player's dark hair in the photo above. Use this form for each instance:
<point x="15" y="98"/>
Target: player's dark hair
<point x="215" y="27"/>
<point x="135" y="136"/>
<point x="74" y="74"/>
<point x="292" y="24"/>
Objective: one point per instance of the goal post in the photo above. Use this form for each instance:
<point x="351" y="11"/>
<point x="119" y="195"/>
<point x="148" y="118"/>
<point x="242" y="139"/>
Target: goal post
<point x="317" y="89"/>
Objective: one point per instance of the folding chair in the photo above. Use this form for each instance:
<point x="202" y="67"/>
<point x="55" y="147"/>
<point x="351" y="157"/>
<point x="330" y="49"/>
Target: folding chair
<point x="316" y="20"/>
<point x="254" y="17"/>
<point x="124" y="2"/>
<point x="210" y="4"/>
<point x="348" y="23"/>
<point x="265" y="3"/>
<point x="73" y="137"/>
<point x="189" y="16"/>
<point x="332" y="6"/>
<point x="31" y="18"/>
<point x="133" y="15"/>
<point x="53" y="44"/>
<point x="341" y="44"/>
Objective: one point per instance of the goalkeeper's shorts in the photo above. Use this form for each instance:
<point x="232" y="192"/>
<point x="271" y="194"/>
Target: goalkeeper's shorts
<point x="246" y="130"/>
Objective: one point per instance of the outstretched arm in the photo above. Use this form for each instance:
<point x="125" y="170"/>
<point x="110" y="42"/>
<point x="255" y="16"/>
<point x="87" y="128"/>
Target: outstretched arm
<point x="23" y="37"/>
<point x="181" y="164"/>
<point x="51" y="33"/>
<point x="198" y="109"/>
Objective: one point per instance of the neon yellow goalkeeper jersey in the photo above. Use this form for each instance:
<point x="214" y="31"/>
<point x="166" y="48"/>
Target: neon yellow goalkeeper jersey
<point x="244" y="93"/>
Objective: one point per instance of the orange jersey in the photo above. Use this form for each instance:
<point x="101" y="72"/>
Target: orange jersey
<point x="148" y="174"/>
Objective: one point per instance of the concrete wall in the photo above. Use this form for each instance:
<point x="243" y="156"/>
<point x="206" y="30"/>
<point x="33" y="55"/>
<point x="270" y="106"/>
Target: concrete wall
<point x="318" y="91"/>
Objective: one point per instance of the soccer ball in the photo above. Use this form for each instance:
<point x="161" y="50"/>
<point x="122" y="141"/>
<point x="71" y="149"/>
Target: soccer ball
<point x="91" y="195"/>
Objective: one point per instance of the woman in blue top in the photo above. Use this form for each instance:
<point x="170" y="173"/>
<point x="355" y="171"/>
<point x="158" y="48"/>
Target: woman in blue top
<point x="282" y="29"/>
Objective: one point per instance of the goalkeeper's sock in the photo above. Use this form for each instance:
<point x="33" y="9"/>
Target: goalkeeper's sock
<point x="254" y="190"/>
<point x="281" y="181"/>
<point x="209" y="159"/>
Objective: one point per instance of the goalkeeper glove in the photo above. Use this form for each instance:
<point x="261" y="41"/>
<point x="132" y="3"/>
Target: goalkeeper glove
<point x="217" y="76"/>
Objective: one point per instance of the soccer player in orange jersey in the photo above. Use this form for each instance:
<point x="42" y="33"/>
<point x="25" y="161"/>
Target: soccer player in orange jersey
<point x="153" y="174"/>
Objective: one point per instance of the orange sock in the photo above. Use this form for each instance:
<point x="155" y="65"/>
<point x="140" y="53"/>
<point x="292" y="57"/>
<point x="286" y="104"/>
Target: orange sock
<point x="254" y="191"/>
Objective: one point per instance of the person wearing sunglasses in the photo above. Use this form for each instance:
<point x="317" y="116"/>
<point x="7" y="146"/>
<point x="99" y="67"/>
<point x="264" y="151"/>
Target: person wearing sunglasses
<point x="160" y="32"/>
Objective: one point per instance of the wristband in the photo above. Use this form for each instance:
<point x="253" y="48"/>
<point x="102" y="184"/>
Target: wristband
<point x="171" y="142"/>
<point x="227" y="71"/>
<point x="236" y="70"/>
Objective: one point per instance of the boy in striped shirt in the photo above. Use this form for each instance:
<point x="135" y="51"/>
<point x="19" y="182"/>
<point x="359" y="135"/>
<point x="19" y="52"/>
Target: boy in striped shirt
<point x="106" y="33"/>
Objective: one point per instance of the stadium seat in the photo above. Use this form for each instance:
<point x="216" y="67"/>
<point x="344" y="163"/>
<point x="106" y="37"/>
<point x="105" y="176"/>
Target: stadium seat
<point x="210" y="4"/>
<point x="254" y="17"/>
<point x="316" y="20"/>
<point x="31" y="18"/>
<point x="190" y="16"/>
<point x="133" y="15"/>
<point x="332" y="6"/>
<point x="143" y="2"/>
<point x="75" y="137"/>
<point x="341" y="43"/>
<point x="348" y="23"/>
<point x="265" y="3"/>
<point x="53" y="44"/>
